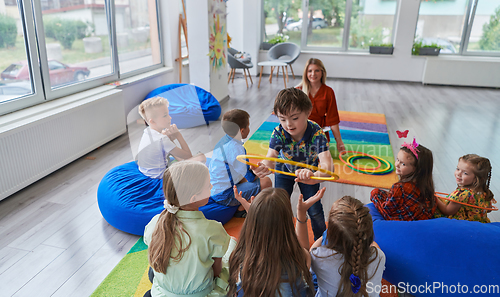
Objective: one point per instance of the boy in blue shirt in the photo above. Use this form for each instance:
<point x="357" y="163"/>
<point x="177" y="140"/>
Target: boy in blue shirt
<point x="301" y="140"/>
<point x="226" y="171"/>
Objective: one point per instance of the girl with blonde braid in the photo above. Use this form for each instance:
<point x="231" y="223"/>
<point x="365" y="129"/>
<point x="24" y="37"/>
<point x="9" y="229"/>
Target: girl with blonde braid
<point x="347" y="247"/>
<point x="185" y="249"/>
<point x="473" y="175"/>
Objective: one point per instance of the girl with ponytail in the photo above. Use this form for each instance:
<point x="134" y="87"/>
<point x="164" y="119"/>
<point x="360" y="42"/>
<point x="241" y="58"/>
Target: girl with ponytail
<point x="346" y="260"/>
<point x="473" y="175"/>
<point x="185" y="250"/>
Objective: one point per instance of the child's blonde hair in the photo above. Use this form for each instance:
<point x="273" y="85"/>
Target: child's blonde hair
<point x="350" y="233"/>
<point x="481" y="167"/>
<point x="181" y="181"/>
<point x="145" y="108"/>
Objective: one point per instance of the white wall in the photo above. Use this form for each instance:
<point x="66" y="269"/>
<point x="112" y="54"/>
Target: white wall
<point x="235" y="23"/>
<point x="244" y="25"/>
<point x="197" y="24"/>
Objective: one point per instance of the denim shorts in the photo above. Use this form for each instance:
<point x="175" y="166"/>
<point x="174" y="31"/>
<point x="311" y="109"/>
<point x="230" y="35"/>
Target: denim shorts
<point x="248" y="190"/>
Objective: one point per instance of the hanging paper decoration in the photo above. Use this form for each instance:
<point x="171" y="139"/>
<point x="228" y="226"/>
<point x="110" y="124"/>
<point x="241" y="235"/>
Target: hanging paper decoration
<point x="217" y="44"/>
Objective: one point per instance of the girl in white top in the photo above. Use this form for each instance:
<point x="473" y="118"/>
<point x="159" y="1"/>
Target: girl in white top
<point x="347" y="247"/>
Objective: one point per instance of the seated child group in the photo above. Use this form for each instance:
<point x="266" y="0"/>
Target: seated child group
<point x="190" y="252"/>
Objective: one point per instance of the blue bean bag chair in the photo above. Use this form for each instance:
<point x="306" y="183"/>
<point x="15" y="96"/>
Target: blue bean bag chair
<point x="128" y="200"/>
<point x="189" y="106"/>
<point x="436" y="257"/>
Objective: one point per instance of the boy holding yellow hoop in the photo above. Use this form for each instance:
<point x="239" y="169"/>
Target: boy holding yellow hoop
<point x="301" y="140"/>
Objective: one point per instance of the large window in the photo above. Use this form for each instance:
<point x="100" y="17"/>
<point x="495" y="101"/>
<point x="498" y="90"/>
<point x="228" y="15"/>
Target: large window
<point x="282" y="18"/>
<point x="372" y="22"/>
<point x="468" y="27"/>
<point x="331" y="24"/>
<point x="51" y="49"/>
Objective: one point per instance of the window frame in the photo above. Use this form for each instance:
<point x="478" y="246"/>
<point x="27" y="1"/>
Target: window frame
<point x="62" y="91"/>
<point x="469" y="16"/>
<point x="346" y="32"/>
<point x="160" y="41"/>
<point x="26" y="17"/>
<point x="30" y="13"/>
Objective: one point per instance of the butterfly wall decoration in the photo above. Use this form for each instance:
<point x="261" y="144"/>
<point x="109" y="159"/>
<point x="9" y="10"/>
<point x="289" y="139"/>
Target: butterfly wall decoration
<point x="403" y="134"/>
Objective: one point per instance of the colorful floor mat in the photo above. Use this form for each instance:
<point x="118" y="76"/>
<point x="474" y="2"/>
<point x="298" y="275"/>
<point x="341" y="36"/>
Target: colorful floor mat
<point x="361" y="132"/>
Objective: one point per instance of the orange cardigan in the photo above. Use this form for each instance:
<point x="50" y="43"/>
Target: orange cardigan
<point x="324" y="110"/>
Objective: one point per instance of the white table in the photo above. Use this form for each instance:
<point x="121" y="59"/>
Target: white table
<point x="273" y="64"/>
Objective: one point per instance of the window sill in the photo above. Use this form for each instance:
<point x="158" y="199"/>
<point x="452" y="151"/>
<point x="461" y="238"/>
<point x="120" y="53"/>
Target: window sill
<point x="25" y="116"/>
<point x="466" y="58"/>
<point x="339" y="53"/>
<point x="140" y="77"/>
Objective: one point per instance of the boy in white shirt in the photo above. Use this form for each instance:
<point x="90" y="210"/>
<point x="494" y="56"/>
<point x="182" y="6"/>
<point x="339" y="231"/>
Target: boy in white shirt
<point x="157" y="142"/>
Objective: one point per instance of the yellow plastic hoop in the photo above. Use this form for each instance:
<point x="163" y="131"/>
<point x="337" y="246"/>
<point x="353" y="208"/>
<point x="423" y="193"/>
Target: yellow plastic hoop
<point x="333" y="177"/>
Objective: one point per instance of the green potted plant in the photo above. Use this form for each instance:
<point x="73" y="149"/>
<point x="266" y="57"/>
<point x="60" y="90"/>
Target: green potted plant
<point x="421" y="49"/>
<point x="279" y="38"/>
<point x="381" y="48"/>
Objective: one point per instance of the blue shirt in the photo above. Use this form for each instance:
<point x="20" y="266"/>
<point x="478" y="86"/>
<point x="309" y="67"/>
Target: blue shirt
<point x="219" y="177"/>
<point x="306" y="150"/>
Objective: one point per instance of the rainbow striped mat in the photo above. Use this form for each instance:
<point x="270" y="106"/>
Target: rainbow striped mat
<point x="361" y="132"/>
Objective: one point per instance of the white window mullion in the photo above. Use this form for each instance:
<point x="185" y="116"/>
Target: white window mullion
<point x="467" y="26"/>
<point x="27" y="21"/>
<point x="347" y="25"/>
<point x="305" y="24"/>
<point x="110" y="13"/>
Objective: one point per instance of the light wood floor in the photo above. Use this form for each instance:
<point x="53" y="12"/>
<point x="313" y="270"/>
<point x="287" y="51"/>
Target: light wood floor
<point x="54" y="241"/>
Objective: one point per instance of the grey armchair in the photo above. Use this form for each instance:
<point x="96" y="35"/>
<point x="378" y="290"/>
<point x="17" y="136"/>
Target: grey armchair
<point x="238" y="60"/>
<point x="286" y="52"/>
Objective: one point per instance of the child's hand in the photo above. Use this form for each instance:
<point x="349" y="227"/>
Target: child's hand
<point x="303" y="206"/>
<point x="261" y="171"/>
<point x="172" y="132"/>
<point x="304" y="176"/>
<point x="242" y="200"/>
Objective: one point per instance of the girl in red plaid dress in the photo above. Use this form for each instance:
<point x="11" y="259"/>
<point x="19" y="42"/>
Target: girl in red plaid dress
<point x="412" y="197"/>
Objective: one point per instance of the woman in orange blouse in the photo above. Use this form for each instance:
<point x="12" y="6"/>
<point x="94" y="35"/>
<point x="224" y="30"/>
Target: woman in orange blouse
<point x="324" y="110"/>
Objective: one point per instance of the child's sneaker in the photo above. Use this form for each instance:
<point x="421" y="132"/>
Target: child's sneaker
<point x="240" y="214"/>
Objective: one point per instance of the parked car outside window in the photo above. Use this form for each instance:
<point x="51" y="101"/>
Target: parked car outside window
<point x="60" y="73"/>
<point x="13" y="90"/>
<point x="318" y="23"/>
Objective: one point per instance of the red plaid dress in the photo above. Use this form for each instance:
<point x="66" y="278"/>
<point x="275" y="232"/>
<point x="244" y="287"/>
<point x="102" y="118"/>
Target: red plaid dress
<point x="402" y="203"/>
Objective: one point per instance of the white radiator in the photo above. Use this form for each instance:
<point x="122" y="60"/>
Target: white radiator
<point x="36" y="146"/>
<point x="462" y="70"/>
